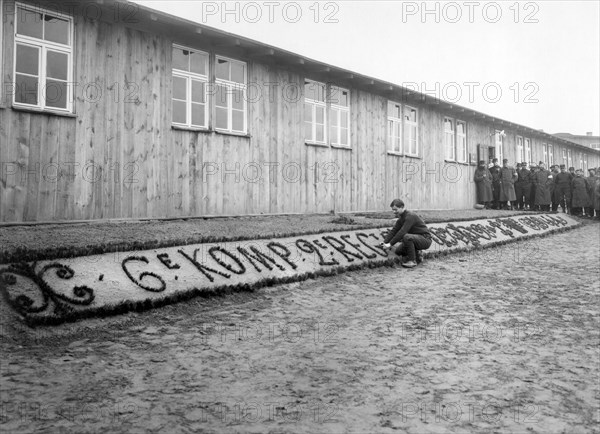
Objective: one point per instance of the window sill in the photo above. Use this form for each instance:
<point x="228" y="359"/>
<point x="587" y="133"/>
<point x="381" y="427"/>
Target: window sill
<point x="43" y="112"/>
<point x="348" y="148"/>
<point x="416" y="157"/>
<point x="319" y="145"/>
<point x="186" y="128"/>
<point x="464" y="163"/>
<point x="231" y="133"/>
<point x="396" y="154"/>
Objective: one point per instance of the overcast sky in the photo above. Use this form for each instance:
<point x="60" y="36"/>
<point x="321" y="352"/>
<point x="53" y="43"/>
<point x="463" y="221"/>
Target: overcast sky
<point x="534" y="63"/>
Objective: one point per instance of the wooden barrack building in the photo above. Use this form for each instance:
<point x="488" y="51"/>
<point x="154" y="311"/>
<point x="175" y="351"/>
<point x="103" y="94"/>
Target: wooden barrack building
<point x="120" y="111"/>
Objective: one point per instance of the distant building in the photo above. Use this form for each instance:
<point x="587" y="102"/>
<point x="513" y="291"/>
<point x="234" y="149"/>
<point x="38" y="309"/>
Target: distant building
<point x="588" y="140"/>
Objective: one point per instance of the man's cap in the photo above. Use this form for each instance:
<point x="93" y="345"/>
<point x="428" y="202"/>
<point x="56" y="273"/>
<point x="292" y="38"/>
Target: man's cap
<point x="518" y="164"/>
<point x="562" y="166"/>
<point x="591" y="169"/>
<point x="571" y="168"/>
<point x="481" y="163"/>
<point x="524" y="164"/>
<point x="494" y="160"/>
<point x="505" y="160"/>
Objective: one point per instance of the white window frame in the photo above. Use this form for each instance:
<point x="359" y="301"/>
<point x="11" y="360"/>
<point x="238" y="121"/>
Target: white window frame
<point x="461" y="138"/>
<point x="527" y="145"/>
<point x="581" y="161"/>
<point x="450" y="135"/>
<point x="395" y="121"/>
<point x="585" y="164"/>
<point x="43" y="46"/>
<point x="520" y="149"/>
<point x="189" y="77"/>
<point x="569" y="159"/>
<point x="409" y="127"/>
<point x="550" y="155"/>
<point x="499" y="145"/>
<point x="313" y="103"/>
<point x="545" y="152"/>
<point x="338" y="111"/>
<point x="564" y="155"/>
<point x="230" y="86"/>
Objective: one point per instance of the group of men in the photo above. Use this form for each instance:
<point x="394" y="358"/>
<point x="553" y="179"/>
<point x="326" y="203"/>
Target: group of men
<point x="538" y="189"/>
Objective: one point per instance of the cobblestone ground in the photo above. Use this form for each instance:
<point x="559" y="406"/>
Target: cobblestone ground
<point x="505" y="340"/>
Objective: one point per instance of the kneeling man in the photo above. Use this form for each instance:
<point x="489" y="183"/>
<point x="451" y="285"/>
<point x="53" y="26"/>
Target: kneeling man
<point x="411" y="231"/>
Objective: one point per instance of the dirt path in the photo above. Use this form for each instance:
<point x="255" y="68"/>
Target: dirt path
<point x="502" y="340"/>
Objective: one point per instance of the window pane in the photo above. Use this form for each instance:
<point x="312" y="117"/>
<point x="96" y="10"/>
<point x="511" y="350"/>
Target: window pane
<point x="55" y="93"/>
<point x="181" y="59"/>
<point x="308" y="113"/>
<point x="197" y="91"/>
<point x="238" y="120"/>
<point x="30" y="23"/>
<point x="221" y="96"/>
<point x="57" y="65"/>
<point x="198" y="63"/>
<point x="344" y="136"/>
<point x="410" y="114"/>
<point x="309" y="90"/>
<point x="179" y="114"/>
<point x="198" y="115"/>
<point x="320" y="115"/>
<point x="238" y="72"/>
<point x="344" y="101"/>
<point x="334" y="118"/>
<point x="333" y="134"/>
<point x="320" y="133"/>
<point x="308" y="131"/>
<point x="221" y="121"/>
<point x="222" y="69"/>
<point x="27" y="59"/>
<point x="238" y="99"/>
<point x="57" y="30"/>
<point x="179" y="88"/>
<point x="344" y="118"/>
<point x="26" y="91"/>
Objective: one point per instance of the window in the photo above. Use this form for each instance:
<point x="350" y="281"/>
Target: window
<point x="565" y="161"/>
<point x="411" y="131"/>
<point x="527" y="150"/>
<point x="461" y="141"/>
<point x="394" y="127"/>
<point x="230" y="95"/>
<point x="314" y="112"/>
<point x="498" y="145"/>
<point x="584" y="165"/>
<point x="449" y="139"/>
<point x="581" y="160"/>
<point x="520" y="150"/>
<point x="43" y="59"/>
<point x="190" y="79"/>
<point x="550" y="155"/>
<point x="339" y="128"/>
<point x="545" y="151"/>
<point x="569" y="159"/>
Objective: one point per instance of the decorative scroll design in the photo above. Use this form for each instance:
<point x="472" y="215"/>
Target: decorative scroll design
<point x="25" y="305"/>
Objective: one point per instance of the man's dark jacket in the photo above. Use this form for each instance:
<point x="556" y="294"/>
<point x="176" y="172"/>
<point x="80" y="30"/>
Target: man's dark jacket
<point x="407" y="223"/>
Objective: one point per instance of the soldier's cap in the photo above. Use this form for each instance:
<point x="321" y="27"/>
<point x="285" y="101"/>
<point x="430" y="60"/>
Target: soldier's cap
<point x="523" y="164"/>
<point x="562" y="166"/>
<point x="540" y="163"/>
<point x="518" y="164"/>
<point x="591" y="169"/>
<point x="571" y="168"/>
<point x="494" y="160"/>
<point x="505" y="160"/>
<point x="481" y="163"/>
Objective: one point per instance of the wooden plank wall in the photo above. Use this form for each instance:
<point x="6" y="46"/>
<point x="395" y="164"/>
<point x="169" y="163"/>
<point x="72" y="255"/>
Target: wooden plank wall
<point x="119" y="157"/>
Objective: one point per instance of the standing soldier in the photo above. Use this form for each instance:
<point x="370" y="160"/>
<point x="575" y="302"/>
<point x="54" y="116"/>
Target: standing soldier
<point x="532" y="173"/>
<point x="553" y="192"/>
<point x="591" y="180"/>
<point x="508" y="176"/>
<point x="542" y="181"/>
<point x="519" y="187"/>
<point x="562" y="188"/>
<point x="597" y="193"/>
<point x="483" y="183"/>
<point x="496" y="186"/>
<point x="580" y="198"/>
<point x="572" y="172"/>
<point x="526" y="186"/>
